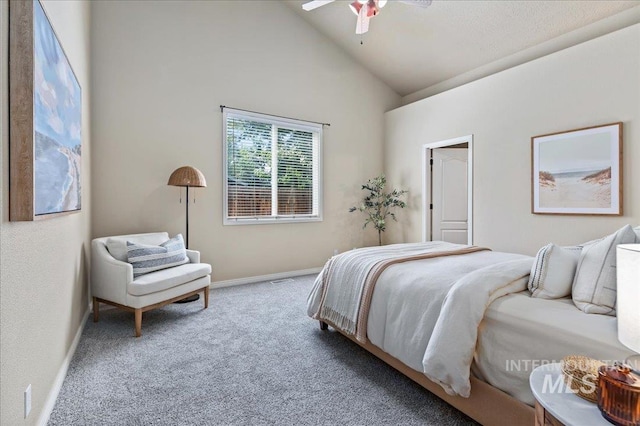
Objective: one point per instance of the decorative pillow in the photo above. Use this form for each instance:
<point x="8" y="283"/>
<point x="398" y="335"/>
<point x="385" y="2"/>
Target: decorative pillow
<point x="151" y="258"/>
<point x="553" y="271"/>
<point x="594" y="286"/>
<point x="117" y="246"/>
<point x="637" y="231"/>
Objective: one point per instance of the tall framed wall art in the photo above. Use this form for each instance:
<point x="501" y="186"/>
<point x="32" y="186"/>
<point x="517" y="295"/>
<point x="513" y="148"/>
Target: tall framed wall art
<point x="45" y="115"/>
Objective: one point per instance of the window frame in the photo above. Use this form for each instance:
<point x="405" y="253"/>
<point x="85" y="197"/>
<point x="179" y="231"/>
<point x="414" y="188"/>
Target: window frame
<point x="276" y="121"/>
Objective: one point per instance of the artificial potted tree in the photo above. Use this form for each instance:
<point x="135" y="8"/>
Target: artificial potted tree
<point x="378" y="205"/>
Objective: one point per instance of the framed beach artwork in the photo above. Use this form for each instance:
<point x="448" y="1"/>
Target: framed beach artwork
<point x="45" y="146"/>
<point x="578" y="171"/>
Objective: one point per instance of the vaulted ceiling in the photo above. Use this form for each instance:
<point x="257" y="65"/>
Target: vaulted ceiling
<point x="412" y="48"/>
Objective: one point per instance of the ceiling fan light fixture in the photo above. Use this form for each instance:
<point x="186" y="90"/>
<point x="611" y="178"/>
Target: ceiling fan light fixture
<point x="372" y="9"/>
<point x="355" y="7"/>
<point x="363" y="9"/>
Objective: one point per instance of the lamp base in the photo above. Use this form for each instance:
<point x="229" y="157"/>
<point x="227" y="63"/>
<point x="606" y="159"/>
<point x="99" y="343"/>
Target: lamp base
<point x="189" y="299"/>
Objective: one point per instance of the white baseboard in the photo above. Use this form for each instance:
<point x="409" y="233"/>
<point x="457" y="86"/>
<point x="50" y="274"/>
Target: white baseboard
<point x="269" y="277"/>
<point x="62" y="373"/>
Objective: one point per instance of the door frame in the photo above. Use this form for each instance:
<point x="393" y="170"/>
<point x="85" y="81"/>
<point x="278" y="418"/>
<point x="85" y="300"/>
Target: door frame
<point x="426" y="184"/>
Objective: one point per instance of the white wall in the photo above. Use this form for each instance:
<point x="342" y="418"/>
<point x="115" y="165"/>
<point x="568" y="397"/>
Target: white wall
<point x="43" y="290"/>
<point x="160" y="72"/>
<point x="593" y="83"/>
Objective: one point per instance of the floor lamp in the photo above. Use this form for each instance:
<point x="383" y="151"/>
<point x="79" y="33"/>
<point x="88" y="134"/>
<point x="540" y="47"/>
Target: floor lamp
<point x="187" y="176"/>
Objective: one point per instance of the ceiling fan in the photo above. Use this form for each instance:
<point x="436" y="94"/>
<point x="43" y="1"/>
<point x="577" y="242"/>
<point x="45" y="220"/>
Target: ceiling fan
<point x="364" y="9"/>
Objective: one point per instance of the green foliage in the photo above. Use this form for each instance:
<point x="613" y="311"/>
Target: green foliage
<point x="249" y="152"/>
<point x="378" y="204"/>
<point x="295" y="164"/>
<point x="249" y="160"/>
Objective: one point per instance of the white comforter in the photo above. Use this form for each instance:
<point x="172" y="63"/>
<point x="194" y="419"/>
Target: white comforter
<point x="449" y="354"/>
<point x="426" y="312"/>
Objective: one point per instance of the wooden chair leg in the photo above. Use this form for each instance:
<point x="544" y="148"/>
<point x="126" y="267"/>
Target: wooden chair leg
<point x="96" y="307"/>
<point x="138" y="315"/>
<point x="206" y="297"/>
<point x="324" y="325"/>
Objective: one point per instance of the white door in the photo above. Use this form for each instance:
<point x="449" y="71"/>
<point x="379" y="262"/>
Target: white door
<point x="449" y="214"/>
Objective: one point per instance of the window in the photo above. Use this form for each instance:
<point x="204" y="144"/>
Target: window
<point x="271" y="169"/>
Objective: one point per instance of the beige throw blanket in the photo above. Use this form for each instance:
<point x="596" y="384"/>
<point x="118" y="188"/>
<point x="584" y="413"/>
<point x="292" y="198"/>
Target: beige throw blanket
<point x="347" y="281"/>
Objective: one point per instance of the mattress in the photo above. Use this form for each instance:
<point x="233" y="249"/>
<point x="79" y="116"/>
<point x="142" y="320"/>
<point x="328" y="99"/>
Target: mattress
<point x="519" y="333"/>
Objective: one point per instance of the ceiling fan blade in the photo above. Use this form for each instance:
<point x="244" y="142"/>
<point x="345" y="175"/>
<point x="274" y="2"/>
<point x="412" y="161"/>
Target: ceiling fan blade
<point x="419" y="3"/>
<point x="362" y="23"/>
<point x="315" y="4"/>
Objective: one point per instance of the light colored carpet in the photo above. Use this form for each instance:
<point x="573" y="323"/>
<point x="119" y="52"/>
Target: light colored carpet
<point x="253" y="357"/>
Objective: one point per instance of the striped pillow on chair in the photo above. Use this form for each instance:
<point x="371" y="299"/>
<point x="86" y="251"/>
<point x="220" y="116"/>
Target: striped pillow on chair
<point x="148" y="258"/>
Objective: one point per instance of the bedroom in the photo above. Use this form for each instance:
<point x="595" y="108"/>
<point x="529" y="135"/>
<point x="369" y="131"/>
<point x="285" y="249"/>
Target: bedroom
<point x="153" y="79"/>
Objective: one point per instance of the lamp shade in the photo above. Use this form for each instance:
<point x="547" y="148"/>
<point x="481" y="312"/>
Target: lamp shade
<point x="187" y="176"/>
<point x="628" y="292"/>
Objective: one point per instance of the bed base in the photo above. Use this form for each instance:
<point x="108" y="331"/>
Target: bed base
<point x="487" y="405"/>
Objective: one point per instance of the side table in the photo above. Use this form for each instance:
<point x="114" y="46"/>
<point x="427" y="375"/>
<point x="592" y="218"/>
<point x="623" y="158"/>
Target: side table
<point x="557" y="404"/>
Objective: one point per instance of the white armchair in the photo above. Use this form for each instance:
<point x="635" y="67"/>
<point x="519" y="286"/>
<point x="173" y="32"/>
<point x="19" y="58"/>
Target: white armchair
<point x="112" y="280"/>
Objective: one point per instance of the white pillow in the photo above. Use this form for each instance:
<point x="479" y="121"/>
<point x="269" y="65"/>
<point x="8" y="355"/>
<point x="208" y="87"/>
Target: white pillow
<point x="594" y="286"/>
<point x="553" y="271"/>
<point x="637" y="231"/>
<point x="117" y="246"/>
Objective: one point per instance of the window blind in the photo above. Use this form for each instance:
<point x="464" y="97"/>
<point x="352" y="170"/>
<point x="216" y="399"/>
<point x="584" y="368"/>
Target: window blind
<point x="272" y="171"/>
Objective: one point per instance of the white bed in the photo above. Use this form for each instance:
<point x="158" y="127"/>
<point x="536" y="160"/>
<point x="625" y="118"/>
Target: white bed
<point x="516" y="334"/>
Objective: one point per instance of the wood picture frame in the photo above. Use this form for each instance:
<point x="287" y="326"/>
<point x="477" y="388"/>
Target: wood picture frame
<point x="45" y="116"/>
<point x="578" y="172"/>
